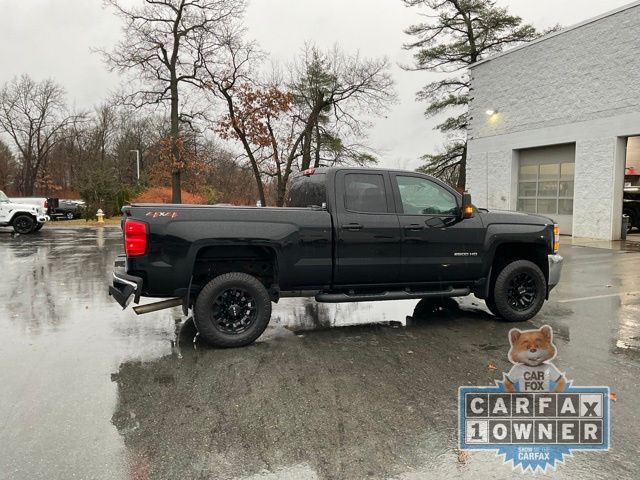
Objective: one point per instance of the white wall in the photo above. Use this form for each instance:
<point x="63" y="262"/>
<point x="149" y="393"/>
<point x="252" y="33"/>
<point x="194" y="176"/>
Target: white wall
<point x="576" y="86"/>
<point x="600" y="155"/>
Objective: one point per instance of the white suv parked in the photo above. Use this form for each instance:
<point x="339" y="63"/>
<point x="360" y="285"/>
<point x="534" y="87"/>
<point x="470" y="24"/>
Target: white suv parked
<point x="23" y="217"/>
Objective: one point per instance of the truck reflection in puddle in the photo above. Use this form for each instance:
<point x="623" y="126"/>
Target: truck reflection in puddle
<point x="349" y="402"/>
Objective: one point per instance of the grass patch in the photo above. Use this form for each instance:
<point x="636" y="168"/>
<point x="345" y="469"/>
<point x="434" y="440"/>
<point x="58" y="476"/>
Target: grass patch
<point x="80" y="222"/>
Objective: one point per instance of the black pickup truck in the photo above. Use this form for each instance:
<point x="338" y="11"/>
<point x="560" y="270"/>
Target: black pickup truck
<point x="346" y="235"/>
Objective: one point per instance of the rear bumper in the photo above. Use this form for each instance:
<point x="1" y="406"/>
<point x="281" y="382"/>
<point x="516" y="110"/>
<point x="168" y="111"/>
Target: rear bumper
<point x="125" y="287"/>
<point x="555" y="269"/>
<point x="43" y="218"/>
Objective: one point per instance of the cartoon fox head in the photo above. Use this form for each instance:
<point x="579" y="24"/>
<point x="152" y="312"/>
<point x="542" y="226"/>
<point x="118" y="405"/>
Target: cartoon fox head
<point x="531" y="347"/>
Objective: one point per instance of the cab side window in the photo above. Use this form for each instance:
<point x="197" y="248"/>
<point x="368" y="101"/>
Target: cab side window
<point x="365" y="193"/>
<point x="420" y="196"/>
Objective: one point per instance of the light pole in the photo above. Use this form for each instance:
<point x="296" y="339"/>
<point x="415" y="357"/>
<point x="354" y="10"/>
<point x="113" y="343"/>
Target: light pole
<point x="137" y="163"/>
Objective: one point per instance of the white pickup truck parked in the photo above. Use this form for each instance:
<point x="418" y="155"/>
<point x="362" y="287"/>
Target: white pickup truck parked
<point x="23" y="217"/>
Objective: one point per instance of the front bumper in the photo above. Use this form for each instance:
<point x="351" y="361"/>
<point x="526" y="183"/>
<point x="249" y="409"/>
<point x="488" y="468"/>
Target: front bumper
<point x="555" y="268"/>
<point x="125" y="287"/>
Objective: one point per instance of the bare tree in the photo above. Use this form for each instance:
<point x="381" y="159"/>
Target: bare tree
<point x="279" y="124"/>
<point x="33" y="114"/>
<point x="164" y="45"/>
<point x="262" y="119"/>
<point x="227" y="72"/>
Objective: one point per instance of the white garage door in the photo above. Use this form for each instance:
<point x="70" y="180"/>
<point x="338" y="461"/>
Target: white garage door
<point x="545" y="183"/>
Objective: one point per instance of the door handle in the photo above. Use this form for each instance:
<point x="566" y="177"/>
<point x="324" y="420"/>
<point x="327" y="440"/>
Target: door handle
<point x="414" y="227"/>
<point x="352" y="227"/>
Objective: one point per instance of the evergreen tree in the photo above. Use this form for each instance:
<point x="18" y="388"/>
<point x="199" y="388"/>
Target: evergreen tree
<point x="456" y="34"/>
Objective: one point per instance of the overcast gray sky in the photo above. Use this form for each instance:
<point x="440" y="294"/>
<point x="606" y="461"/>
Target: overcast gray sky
<point x="52" y="39"/>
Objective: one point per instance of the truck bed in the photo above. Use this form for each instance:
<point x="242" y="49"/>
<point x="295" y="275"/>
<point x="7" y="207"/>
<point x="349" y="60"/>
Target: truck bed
<point x="300" y="238"/>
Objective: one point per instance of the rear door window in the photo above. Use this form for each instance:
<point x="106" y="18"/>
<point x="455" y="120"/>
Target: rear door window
<point x="365" y="193"/>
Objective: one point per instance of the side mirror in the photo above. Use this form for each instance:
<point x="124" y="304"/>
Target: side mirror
<point x="467" y="207"/>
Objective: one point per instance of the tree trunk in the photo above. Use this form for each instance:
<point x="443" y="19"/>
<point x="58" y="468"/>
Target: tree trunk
<point x="316" y="164"/>
<point x="462" y="172"/>
<point x="28" y="180"/>
<point x="282" y="190"/>
<point x="308" y="132"/>
<point x="256" y="174"/>
<point x="176" y="196"/>
<point x="306" y="147"/>
<point x="176" y="191"/>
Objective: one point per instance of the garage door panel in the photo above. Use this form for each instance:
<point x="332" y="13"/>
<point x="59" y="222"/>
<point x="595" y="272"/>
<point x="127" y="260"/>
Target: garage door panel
<point x="546" y="183"/>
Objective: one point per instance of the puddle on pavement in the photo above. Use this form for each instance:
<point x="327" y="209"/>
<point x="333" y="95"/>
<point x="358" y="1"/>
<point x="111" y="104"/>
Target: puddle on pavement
<point x="330" y="390"/>
<point x="302" y="314"/>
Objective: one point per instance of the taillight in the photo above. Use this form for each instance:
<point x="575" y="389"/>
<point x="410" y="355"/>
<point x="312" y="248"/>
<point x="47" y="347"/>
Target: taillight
<point x="135" y="238"/>
<point x="556" y="238"/>
<point x="46" y="204"/>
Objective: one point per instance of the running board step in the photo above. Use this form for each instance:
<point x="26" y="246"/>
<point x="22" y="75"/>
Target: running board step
<point x="396" y="295"/>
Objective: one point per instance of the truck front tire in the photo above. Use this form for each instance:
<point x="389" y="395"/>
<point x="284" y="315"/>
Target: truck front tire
<point x="232" y="310"/>
<point x="519" y="291"/>
<point x="24" y="224"/>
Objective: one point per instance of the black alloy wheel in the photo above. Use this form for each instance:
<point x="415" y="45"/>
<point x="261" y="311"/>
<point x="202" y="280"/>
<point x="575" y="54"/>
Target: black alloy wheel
<point x="24" y="224"/>
<point x="521" y="291"/>
<point x="234" y="310"/>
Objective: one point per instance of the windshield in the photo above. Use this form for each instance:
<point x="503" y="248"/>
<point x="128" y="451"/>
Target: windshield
<point x="3" y="197"/>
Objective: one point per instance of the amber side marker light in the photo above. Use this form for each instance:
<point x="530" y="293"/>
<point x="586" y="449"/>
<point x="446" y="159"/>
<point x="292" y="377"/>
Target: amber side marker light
<point x="466" y="210"/>
<point x="556" y="238"/>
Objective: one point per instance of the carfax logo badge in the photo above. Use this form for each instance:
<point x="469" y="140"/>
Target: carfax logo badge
<point x="534" y="416"/>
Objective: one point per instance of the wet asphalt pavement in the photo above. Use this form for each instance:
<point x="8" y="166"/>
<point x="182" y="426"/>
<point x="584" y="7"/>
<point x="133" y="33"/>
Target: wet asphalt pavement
<point x="88" y="391"/>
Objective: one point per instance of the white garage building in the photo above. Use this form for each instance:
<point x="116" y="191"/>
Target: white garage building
<point x="555" y="123"/>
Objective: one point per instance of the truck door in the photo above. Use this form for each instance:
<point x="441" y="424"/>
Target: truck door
<point x="435" y="241"/>
<point x="367" y="229"/>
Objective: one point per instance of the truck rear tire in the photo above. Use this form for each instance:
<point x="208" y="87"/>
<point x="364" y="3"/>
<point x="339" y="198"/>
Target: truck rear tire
<point x="24" y="224"/>
<point x="232" y="310"/>
<point x="519" y="291"/>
